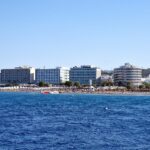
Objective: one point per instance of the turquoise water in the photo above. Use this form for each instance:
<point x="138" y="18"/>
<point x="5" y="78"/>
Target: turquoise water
<point x="30" y="121"/>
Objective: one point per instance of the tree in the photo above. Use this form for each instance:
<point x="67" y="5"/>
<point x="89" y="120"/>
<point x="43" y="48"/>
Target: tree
<point x="141" y="86"/>
<point x="46" y="85"/>
<point x="110" y="83"/>
<point x="68" y="83"/>
<point x="43" y="84"/>
<point x="107" y="83"/>
<point x="128" y="85"/>
<point x="147" y="85"/>
<point x="77" y="84"/>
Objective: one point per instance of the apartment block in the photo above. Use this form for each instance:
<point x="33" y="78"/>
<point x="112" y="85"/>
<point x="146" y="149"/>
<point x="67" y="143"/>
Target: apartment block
<point x="18" y="75"/>
<point x="52" y="76"/>
<point x="85" y="74"/>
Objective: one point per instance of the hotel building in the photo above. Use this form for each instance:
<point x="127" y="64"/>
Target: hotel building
<point x="128" y="74"/>
<point x="52" y="76"/>
<point x="18" y="75"/>
<point x="85" y="74"/>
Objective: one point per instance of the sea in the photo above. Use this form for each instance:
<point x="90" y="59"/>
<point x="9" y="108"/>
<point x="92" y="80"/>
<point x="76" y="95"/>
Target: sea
<point x="34" y="121"/>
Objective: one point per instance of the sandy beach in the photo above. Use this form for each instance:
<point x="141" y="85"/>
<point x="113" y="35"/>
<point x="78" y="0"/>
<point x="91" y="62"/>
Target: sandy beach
<point x="62" y="90"/>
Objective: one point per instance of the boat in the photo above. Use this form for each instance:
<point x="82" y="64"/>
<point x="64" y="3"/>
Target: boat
<point x="44" y="92"/>
<point x="49" y="92"/>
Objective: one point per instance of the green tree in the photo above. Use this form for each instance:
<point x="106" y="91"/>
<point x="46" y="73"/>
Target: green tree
<point x="46" y="85"/>
<point x="77" y="84"/>
<point x="147" y="85"/>
<point x="68" y="83"/>
<point x="128" y="86"/>
<point x="107" y="83"/>
<point x="43" y="84"/>
<point x="141" y="86"/>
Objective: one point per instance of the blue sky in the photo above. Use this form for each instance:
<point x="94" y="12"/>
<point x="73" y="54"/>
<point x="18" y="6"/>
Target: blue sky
<point x="105" y="33"/>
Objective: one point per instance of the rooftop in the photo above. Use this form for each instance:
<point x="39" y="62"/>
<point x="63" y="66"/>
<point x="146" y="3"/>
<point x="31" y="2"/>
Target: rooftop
<point x="128" y="65"/>
<point x="85" y="66"/>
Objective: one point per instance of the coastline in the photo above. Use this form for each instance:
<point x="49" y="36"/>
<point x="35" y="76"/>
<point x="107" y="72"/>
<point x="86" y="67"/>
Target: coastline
<point x="74" y="91"/>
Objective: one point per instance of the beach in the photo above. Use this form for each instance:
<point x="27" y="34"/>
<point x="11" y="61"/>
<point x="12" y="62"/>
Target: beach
<point x="66" y="90"/>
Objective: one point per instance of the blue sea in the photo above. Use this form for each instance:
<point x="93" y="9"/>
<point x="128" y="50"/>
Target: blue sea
<point x="32" y="121"/>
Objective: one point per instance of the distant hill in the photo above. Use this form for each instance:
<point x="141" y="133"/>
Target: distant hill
<point x="145" y="72"/>
<point x="107" y="72"/>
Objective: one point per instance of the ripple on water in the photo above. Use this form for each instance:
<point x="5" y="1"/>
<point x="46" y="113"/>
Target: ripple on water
<point x="35" y="121"/>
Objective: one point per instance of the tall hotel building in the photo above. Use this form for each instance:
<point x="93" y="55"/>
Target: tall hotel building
<point x="19" y="75"/>
<point x="128" y="74"/>
<point x="52" y="76"/>
<point x="85" y="74"/>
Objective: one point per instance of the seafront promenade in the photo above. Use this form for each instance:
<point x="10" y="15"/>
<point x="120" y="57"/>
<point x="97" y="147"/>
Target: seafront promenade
<point x="67" y="90"/>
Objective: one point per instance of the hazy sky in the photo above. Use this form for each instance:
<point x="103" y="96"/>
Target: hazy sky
<point x="105" y="33"/>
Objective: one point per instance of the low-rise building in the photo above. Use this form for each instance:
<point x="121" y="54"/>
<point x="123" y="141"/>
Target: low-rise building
<point x="146" y="80"/>
<point x="18" y="75"/>
<point x="128" y="74"/>
<point x="52" y="76"/>
<point x="105" y="78"/>
<point x="85" y="75"/>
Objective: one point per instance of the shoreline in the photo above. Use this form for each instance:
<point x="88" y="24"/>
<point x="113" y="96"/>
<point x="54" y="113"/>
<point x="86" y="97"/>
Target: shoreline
<point x="75" y="91"/>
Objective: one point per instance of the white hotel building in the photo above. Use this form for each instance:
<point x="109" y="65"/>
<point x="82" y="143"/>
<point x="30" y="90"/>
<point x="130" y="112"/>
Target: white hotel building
<point x="52" y="76"/>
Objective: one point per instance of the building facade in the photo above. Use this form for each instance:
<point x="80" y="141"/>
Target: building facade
<point x="128" y="74"/>
<point x="105" y="78"/>
<point x="18" y="75"/>
<point x="85" y="74"/>
<point x="52" y="76"/>
<point x="0" y="78"/>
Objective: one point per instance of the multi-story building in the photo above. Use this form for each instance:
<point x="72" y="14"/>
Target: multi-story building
<point x="105" y="78"/>
<point x="127" y="74"/>
<point x="52" y="76"/>
<point x="85" y="74"/>
<point x="19" y="75"/>
<point x="0" y="77"/>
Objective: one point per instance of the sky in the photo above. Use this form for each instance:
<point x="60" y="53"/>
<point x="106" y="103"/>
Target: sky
<point x="51" y="33"/>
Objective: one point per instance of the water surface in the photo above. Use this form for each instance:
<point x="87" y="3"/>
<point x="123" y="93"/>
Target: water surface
<point x="30" y="121"/>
